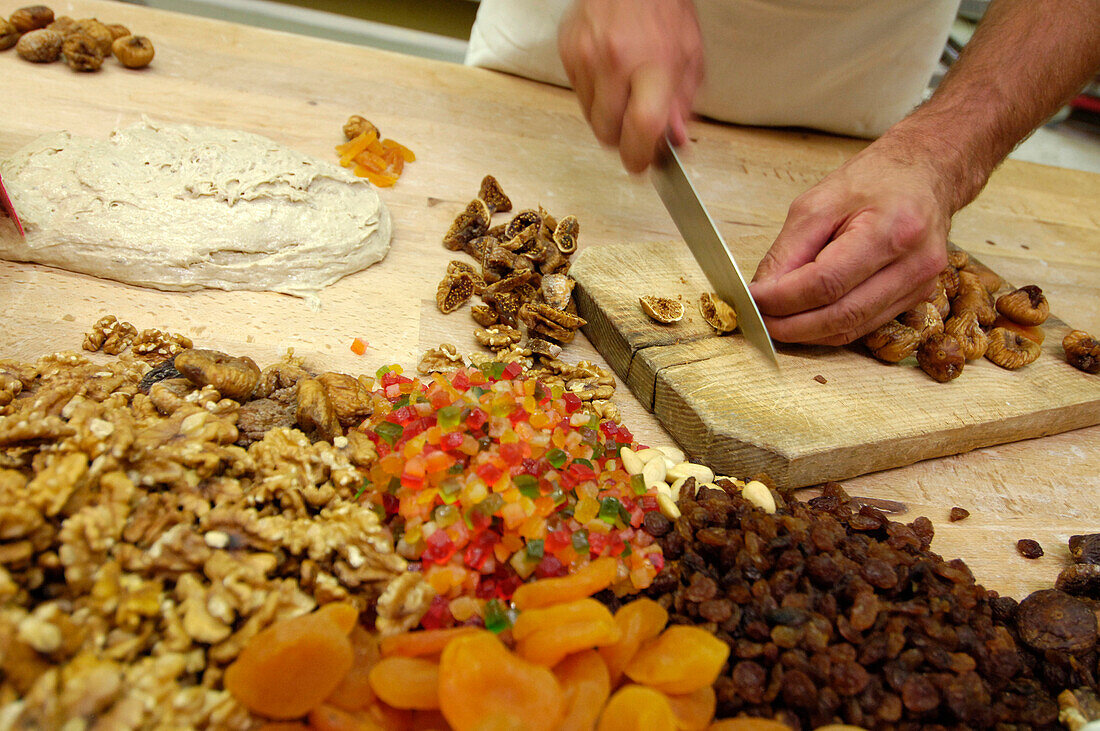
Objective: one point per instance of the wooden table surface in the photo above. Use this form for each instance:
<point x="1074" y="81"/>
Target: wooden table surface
<point x="1032" y="224"/>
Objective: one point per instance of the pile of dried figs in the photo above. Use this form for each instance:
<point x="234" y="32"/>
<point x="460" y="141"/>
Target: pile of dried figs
<point x="39" y="37"/>
<point x="520" y="273"/>
<point x="964" y="321"/>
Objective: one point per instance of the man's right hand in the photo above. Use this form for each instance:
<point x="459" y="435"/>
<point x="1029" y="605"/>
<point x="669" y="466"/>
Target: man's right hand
<point x="635" y="65"/>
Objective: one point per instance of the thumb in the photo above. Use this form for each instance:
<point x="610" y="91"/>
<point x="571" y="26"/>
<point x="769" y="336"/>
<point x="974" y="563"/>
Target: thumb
<point x="801" y="239"/>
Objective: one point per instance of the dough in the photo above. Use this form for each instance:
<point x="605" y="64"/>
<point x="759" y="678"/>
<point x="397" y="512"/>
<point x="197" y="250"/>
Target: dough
<point x="178" y="207"/>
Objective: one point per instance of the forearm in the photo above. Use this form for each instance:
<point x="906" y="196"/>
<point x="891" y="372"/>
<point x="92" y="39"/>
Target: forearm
<point x="1026" y="59"/>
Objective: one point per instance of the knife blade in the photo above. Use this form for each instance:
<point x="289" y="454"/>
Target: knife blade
<point x="707" y="246"/>
<point x="8" y="208"/>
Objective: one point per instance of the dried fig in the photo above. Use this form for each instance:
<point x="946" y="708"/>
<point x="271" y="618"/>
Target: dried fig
<point x="98" y="31"/>
<point x="924" y="318"/>
<point x="133" y="52"/>
<point x="973" y="297"/>
<point x="31" y="18"/>
<point x="1031" y="332"/>
<point x="522" y="220"/>
<point x="565" y="234"/>
<point x="62" y="24"/>
<point x="717" y="313"/>
<point x="557" y="290"/>
<point x="892" y="342"/>
<point x="9" y="36"/>
<point x="1085" y="548"/>
<point x="941" y="357"/>
<point x="314" y="413"/>
<point x="118" y="30"/>
<point x="357" y="125"/>
<point x="662" y="309"/>
<point x="1027" y="305"/>
<point x="454" y="291"/>
<point x="468" y="225"/>
<point x="39" y="46"/>
<point x="1010" y="349"/>
<point x="233" y="377"/>
<point x="972" y="339"/>
<point x="82" y="52"/>
<point x="1082" y="351"/>
<point x="494" y="197"/>
<point x="949" y="278"/>
<point x="989" y="278"/>
<point x="957" y="258"/>
<point x="941" y="301"/>
<point x="1053" y="620"/>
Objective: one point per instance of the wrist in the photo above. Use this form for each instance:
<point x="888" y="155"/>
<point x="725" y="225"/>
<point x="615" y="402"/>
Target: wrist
<point x="957" y="164"/>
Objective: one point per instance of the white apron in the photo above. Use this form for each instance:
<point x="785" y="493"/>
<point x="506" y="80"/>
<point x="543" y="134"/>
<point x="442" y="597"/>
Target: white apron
<point x="852" y="67"/>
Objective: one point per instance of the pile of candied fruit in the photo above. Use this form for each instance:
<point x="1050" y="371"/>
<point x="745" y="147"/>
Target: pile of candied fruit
<point x="488" y="478"/>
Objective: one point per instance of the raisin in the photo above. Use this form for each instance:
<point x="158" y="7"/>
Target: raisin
<point x="1029" y="548"/>
<point x="958" y="514"/>
<point x="656" y="524"/>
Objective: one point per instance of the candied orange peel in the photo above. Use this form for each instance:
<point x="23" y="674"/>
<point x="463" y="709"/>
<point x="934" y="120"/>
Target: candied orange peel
<point x="381" y="161"/>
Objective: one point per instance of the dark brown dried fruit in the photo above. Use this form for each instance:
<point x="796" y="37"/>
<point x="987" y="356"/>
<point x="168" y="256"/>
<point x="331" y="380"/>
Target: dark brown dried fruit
<point x="820" y="379"/>
<point x="958" y="514"/>
<point x="1054" y="620"/>
<point x="1085" y="548"/>
<point x="1026" y="306"/>
<point x="1010" y="349"/>
<point x="1082" y="351"/>
<point x="133" y="52"/>
<point x="39" y="46"/>
<point x="892" y="342"/>
<point x="31" y="18"/>
<point x="257" y="417"/>
<point x="493" y="195"/>
<point x="159" y="373"/>
<point x="1080" y="579"/>
<point x="941" y="357"/>
<point x="82" y="52"/>
<point x="1029" y="548"/>
<point x="349" y="396"/>
<point x="949" y="278"/>
<point x="314" y="412"/>
<point x="233" y="377"/>
<point x="973" y="297"/>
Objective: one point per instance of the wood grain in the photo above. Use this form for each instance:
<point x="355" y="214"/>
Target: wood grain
<point x="741" y="417"/>
<point x="464" y="123"/>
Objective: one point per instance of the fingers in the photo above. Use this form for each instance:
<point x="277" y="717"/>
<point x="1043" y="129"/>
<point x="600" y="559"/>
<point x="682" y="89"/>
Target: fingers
<point x="611" y="91"/>
<point x="840" y="267"/>
<point x="892" y="290"/>
<point x="647" y="116"/>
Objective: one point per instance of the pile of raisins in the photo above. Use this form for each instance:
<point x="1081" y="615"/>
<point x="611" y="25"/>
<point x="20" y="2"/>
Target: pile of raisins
<point x="836" y="614"/>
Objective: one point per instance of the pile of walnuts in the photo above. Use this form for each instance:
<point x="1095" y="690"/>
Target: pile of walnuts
<point x="39" y="37"/>
<point x="963" y="321"/>
<point x="152" y="521"/>
<point x="520" y="275"/>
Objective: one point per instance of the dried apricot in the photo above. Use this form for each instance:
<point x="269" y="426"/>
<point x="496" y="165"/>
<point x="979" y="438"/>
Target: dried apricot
<point x="283" y="726"/>
<point x="545" y="636"/>
<point x="639" y="621"/>
<point x="483" y="685"/>
<point x="422" y="643"/>
<point x="290" y="667"/>
<point x="748" y="724"/>
<point x="585" y="684"/>
<point x="637" y="707"/>
<point x="354" y="691"/>
<point x="694" y="711"/>
<point x="681" y="660"/>
<point x="586" y="581"/>
<point x="406" y="682"/>
<point x="329" y="718"/>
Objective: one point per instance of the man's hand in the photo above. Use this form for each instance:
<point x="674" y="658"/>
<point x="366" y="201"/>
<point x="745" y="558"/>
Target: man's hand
<point x="864" y="244"/>
<point x="636" y="65"/>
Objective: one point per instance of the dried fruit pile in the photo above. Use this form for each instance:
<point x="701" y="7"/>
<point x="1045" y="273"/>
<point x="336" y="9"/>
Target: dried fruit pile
<point x="567" y="663"/>
<point x="489" y="475"/>
<point x="840" y="616"/>
<point x="962" y="321"/>
<point x="84" y="44"/>
<point x="381" y="161"/>
<point x="520" y="275"/>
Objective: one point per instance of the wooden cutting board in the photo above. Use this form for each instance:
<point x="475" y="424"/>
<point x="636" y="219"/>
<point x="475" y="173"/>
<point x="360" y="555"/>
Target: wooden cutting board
<point x="829" y="413"/>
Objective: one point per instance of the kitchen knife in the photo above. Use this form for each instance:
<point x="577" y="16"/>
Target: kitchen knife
<point x="707" y="246"/>
<point x="9" y="209"/>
